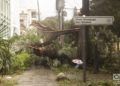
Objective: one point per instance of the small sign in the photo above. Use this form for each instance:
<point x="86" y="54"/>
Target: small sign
<point x="93" y="20"/>
<point x="116" y="77"/>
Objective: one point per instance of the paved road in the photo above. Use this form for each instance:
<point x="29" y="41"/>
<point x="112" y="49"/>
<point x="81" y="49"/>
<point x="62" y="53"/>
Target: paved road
<point x="37" y="77"/>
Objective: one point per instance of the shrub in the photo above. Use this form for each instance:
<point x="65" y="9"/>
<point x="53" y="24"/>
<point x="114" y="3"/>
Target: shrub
<point x="69" y="50"/>
<point x="112" y="63"/>
<point x="5" y="82"/>
<point x="21" y="61"/>
<point x="5" y="56"/>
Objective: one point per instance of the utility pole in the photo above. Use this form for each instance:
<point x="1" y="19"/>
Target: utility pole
<point x="62" y="27"/>
<point x="38" y="10"/>
<point x="59" y="8"/>
<point x="85" y="12"/>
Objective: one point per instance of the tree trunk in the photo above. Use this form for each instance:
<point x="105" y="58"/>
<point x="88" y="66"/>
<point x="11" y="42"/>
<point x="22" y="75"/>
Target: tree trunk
<point x="79" y="51"/>
<point x="96" y="60"/>
<point x="118" y="49"/>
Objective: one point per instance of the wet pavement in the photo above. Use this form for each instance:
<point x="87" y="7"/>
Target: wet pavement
<point x="37" y="77"/>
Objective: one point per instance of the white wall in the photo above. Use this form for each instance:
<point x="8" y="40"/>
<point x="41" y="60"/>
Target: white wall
<point x="15" y="17"/>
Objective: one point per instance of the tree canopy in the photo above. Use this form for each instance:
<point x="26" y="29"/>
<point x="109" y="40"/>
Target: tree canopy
<point x="107" y="8"/>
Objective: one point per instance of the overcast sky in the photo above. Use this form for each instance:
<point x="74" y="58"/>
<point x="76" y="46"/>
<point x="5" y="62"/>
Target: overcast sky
<point x="48" y="7"/>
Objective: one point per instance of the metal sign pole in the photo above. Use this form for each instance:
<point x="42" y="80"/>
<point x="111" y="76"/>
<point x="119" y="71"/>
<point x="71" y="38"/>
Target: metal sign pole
<point x="85" y="20"/>
<point x="83" y="34"/>
<point x="85" y="11"/>
<point x="59" y="7"/>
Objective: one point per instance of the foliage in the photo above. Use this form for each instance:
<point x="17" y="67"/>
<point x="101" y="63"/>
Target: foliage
<point x="68" y="24"/>
<point x="76" y="79"/>
<point x="112" y="62"/>
<point x="69" y="50"/>
<point x="5" y="56"/>
<point x="30" y="37"/>
<point x="21" y="61"/>
<point x="107" y="8"/>
<point x="101" y="83"/>
<point x="56" y="45"/>
<point x="51" y="22"/>
<point x="22" y="57"/>
<point x="37" y="60"/>
<point x="5" y="82"/>
<point x="80" y="83"/>
<point x="69" y="38"/>
<point x="104" y="39"/>
<point x="104" y="48"/>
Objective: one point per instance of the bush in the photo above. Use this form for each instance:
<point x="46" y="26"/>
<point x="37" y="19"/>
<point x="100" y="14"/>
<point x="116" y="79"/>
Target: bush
<point x="5" y="82"/>
<point x="69" y="50"/>
<point x="5" y="56"/>
<point x="21" y="61"/>
<point x="112" y="63"/>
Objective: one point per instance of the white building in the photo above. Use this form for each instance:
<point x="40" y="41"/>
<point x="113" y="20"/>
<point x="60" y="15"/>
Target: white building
<point x="15" y="24"/>
<point x="26" y="18"/>
<point x="5" y="18"/>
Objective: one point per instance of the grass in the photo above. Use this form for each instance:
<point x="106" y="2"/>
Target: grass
<point x="88" y="83"/>
<point x="75" y="76"/>
<point x="7" y="82"/>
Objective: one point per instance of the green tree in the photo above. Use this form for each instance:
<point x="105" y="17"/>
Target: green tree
<point x="107" y="8"/>
<point x="5" y="56"/>
<point x="51" y="22"/>
<point x="105" y="36"/>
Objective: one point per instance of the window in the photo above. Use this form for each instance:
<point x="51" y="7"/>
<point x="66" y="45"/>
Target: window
<point x="33" y="14"/>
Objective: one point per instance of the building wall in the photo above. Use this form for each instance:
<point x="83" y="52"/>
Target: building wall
<point x="5" y="18"/>
<point x="15" y="24"/>
<point x="26" y="18"/>
<point x="23" y="19"/>
<point x="32" y="15"/>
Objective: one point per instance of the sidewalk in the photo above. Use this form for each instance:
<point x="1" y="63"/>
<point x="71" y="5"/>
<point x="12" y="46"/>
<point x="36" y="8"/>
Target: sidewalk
<point x="37" y="77"/>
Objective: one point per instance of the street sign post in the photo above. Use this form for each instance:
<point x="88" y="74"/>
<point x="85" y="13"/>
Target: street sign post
<point x="90" y="20"/>
<point x="93" y="20"/>
<point x="59" y="5"/>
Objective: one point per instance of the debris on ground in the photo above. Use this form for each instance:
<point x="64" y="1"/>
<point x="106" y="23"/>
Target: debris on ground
<point x="61" y="76"/>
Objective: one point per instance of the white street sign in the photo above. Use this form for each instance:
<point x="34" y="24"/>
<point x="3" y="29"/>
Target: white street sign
<point x="93" y="20"/>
